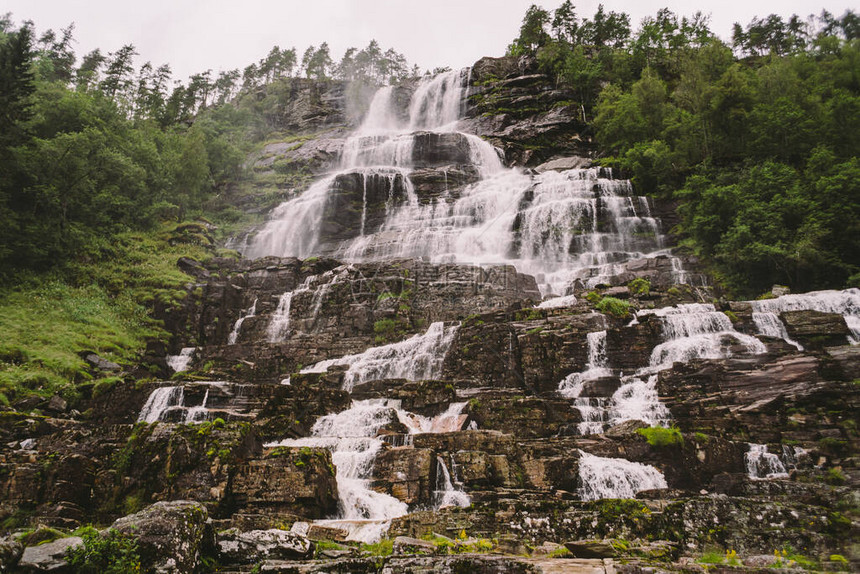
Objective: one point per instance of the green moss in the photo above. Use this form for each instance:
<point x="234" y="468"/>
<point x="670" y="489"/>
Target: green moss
<point x="662" y="437"/>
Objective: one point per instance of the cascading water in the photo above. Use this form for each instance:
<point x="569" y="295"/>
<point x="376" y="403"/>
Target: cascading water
<point x="182" y="361"/>
<point x="696" y="331"/>
<point x="563" y="227"/>
<point x="615" y="477"/>
<point x="353" y="438"/>
<point x="762" y="464"/>
<point x="846" y="303"/>
<point x="237" y="327"/>
<point x="446" y="494"/>
<point x="158" y="402"/>
<point x="419" y="357"/>
<point x="170" y="404"/>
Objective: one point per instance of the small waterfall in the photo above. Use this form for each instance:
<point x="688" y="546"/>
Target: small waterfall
<point x="234" y="334"/>
<point x="446" y="494"/>
<point x="182" y="361"/>
<point x="845" y="303"/>
<point x="638" y="400"/>
<point x="763" y="465"/>
<point x="169" y="404"/>
<point x="595" y="414"/>
<point x="279" y="325"/>
<point x="768" y="325"/>
<point x="198" y="413"/>
<point x="696" y="331"/>
<point x="418" y="358"/>
<point x="596" y="367"/>
<point x="353" y="438"/>
<point x="615" y="477"/>
<point x="160" y="401"/>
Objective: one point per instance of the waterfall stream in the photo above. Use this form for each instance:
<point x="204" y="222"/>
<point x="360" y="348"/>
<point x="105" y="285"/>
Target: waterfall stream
<point x="563" y="227"/>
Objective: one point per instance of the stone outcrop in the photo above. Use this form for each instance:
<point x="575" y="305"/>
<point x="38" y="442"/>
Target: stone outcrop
<point x="171" y="536"/>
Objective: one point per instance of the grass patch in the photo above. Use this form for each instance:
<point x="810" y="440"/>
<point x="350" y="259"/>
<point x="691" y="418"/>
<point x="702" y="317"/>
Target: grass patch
<point x="662" y="437"/>
<point x="384" y="547"/>
<point x="47" y="320"/>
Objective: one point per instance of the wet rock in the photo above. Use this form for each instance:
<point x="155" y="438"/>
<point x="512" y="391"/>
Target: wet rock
<point x="591" y="548"/>
<point x="10" y="553"/>
<point x="407" y="474"/>
<point x="48" y="557"/>
<point x="236" y="547"/>
<point x="170" y="535"/>
<point x="407" y="545"/>
<point x="563" y="164"/>
<point x="624" y="429"/>
<point x="815" y="329"/>
<point x="101" y="363"/>
<point x="454" y="564"/>
<point x="57" y="404"/>
<point x="288" y="480"/>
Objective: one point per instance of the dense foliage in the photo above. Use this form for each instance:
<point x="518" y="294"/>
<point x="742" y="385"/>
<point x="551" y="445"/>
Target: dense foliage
<point x="757" y="141"/>
<point x="111" y="553"/>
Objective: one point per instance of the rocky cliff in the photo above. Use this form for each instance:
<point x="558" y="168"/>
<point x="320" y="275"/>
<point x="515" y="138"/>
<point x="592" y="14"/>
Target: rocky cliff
<point x="579" y="400"/>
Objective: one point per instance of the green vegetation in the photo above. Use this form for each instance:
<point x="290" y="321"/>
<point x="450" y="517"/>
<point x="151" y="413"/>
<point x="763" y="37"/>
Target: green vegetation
<point x="661" y="437"/>
<point x="613" y="306"/>
<point x="756" y="140"/>
<point x="640" y="286"/>
<point x="113" y="553"/>
<point x="384" y="547"/>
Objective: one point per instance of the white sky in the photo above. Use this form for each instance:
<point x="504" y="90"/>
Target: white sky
<point x="196" y="35"/>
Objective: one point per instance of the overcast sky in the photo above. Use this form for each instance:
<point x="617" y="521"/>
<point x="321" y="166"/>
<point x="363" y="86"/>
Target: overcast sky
<point x="196" y="35"/>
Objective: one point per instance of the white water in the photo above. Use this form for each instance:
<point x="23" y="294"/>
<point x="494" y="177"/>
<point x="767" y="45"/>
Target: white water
<point x="581" y="224"/>
<point x="352" y="437"/>
<point x="697" y="331"/>
<point x="615" y="477"/>
<point x="237" y="327"/>
<point x="845" y="303"/>
<point x="182" y="361"/>
<point x="762" y="464"/>
<point x="418" y="358"/>
<point x="158" y="402"/>
<point x="769" y="325"/>
<point x="446" y="494"/>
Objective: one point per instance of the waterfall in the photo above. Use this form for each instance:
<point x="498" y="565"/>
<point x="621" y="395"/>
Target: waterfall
<point x="696" y="331"/>
<point x="159" y="401"/>
<point x="638" y="400"/>
<point x="234" y="334"/>
<point x="574" y="227"/>
<point x="352" y="436"/>
<point x="418" y="358"/>
<point x="182" y="361"/>
<point x="279" y="325"/>
<point x="762" y="464"/>
<point x="446" y="494"/>
<point x="768" y="325"/>
<point x="846" y="303"/>
<point x="615" y="477"/>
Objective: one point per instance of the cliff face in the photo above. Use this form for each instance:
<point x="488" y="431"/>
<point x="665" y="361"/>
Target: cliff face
<point x="606" y="396"/>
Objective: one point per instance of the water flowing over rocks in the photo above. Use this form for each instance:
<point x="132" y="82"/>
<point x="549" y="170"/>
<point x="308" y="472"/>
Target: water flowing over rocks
<point x="431" y="347"/>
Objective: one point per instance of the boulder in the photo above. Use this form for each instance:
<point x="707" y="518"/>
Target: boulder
<point x="50" y="557"/>
<point x="236" y="547"/>
<point x="407" y="545"/>
<point x="170" y="535"/>
<point x="591" y="549"/>
<point x="101" y="363"/>
<point x="10" y="553"/>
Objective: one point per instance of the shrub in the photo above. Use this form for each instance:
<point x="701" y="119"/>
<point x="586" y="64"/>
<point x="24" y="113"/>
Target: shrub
<point x="613" y="306"/>
<point x="113" y="553"/>
<point x="640" y="286"/>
